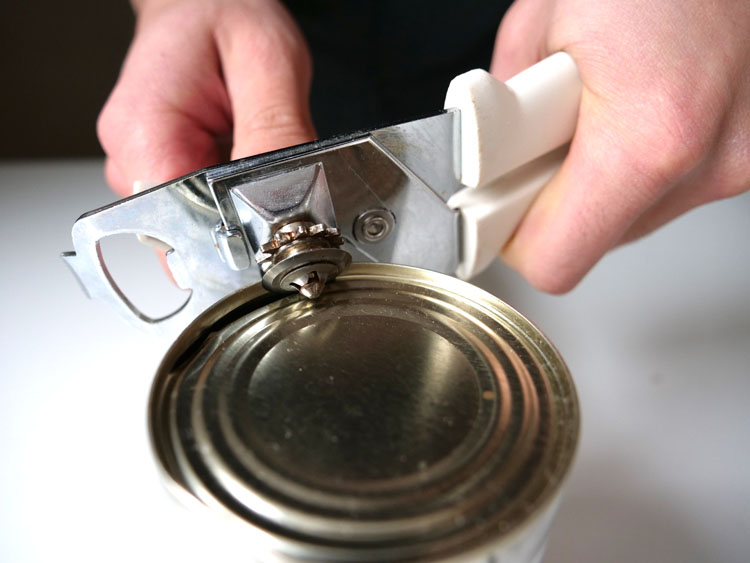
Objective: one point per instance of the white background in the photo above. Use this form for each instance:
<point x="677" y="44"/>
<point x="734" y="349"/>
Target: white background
<point x="657" y="338"/>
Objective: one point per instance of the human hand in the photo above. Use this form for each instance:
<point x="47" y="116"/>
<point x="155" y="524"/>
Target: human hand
<point x="198" y="77"/>
<point x="664" y="122"/>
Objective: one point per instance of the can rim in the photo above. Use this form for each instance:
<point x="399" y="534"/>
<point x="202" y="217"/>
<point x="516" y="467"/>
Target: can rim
<point x="237" y="304"/>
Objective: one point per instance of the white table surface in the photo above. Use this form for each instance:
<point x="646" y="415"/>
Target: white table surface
<point x="657" y="338"/>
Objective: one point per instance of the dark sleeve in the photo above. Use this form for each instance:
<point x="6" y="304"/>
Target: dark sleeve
<point x="376" y="62"/>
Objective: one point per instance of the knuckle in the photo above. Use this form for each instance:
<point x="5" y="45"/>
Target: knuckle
<point x="515" y="25"/>
<point x="669" y="151"/>
<point x="277" y="118"/>
<point x="119" y="120"/>
<point x="124" y="125"/>
<point x="270" y="33"/>
<point x="107" y="127"/>
<point x="681" y="132"/>
<point x="271" y="127"/>
<point x="692" y="132"/>
<point x="510" y="33"/>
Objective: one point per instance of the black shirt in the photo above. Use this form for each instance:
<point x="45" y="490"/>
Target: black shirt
<point x="376" y="62"/>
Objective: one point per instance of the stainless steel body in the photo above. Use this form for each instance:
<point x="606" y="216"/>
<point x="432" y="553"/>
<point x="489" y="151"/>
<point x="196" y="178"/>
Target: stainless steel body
<point x="405" y="194"/>
<point x="403" y="416"/>
<point x="384" y="191"/>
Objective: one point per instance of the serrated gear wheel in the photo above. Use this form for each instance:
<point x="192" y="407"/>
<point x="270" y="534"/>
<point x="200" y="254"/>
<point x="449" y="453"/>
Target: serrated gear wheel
<point x="297" y="232"/>
<point x="301" y="256"/>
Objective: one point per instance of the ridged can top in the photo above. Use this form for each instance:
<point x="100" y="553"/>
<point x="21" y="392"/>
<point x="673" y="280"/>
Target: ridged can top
<point x="401" y="416"/>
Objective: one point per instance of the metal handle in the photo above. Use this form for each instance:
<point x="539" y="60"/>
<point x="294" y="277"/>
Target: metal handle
<point x="183" y="216"/>
<point x="386" y="190"/>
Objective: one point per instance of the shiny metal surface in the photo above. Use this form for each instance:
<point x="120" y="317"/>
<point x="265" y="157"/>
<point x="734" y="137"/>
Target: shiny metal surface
<point x="216" y="218"/>
<point x="374" y="225"/>
<point x="403" y="416"/>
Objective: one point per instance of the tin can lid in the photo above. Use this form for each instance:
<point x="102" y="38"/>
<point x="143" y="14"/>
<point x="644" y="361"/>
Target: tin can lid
<point x="402" y="414"/>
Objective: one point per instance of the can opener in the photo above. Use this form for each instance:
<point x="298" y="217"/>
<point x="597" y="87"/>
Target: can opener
<point x="442" y="193"/>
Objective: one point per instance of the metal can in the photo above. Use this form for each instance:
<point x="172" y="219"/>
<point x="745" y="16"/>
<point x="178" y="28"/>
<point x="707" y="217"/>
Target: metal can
<point x="402" y="416"/>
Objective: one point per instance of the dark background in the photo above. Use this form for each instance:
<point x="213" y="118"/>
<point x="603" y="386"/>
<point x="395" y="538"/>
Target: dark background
<point x="376" y="62"/>
<point x="59" y="61"/>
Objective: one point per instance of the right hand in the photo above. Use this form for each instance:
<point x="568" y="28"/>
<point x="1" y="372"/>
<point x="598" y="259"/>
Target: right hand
<point x="663" y="126"/>
<point x="201" y="75"/>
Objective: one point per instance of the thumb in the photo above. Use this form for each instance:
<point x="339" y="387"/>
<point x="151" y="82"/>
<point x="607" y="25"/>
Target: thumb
<point x="267" y="71"/>
<point x="520" y="40"/>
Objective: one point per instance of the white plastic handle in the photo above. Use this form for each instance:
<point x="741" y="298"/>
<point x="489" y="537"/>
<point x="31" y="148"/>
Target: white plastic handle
<point x="509" y="135"/>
